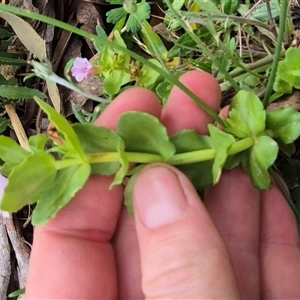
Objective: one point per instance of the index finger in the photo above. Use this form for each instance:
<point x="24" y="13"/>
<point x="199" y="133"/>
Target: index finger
<point x="72" y="257"/>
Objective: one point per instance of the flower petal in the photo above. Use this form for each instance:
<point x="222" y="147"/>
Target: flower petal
<point x="81" y="69"/>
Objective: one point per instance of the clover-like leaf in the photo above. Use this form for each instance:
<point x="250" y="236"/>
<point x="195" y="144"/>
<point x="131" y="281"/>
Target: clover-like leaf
<point x="221" y="142"/>
<point x="285" y="124"/>
<point x="27" y="180"/>
<point x="144" y="133"/>
<point x="261" y="156"/>
<point x="59" y="192"/>
<point x="135" y="19"/>
<point x="247" y="111"/>
<point x="62" y="126"/>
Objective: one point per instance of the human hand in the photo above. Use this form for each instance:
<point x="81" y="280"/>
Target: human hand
<point x="238" y="243"/>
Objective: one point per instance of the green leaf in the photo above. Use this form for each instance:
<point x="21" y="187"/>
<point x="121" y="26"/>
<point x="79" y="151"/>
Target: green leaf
<point x="128" y="194"/>
<point x="148" y="75"/>
<point x="262" y="155"/>
<point x="261" y="12"/>
<point x="236" y="125"/>
<point x="27" y="180"/>
<point x="5" y="32"/>
<point x="200" y="174"/>
<point x="98" y="139"/>
<point x="115" y="15"/>
<point x="148" y="33"/>
<point x="11" y="152"/>
<point x="189" y="140"/>
<point x="134" y="20"/>
<point x="16" y="293"/>
<point x="19" y="92"/>
<point x="229" y="7"/>
<point x="163" y="90"/>
<point x="130" y="6"/>
<point x="208" y="6"/>
<point x="285" y="124"/>
<point x="144" y="133"/>
<point x="185" y="44"/>
<point x="112" y="84"/>
<point x="282" y="87"/>
<point x="125" y="59"/>
<point x="234" y="160"/>
<point x="59" y="193"/>
<point x="3" y="81"/>
<point x="62" y="126"/>
<point x="288" y="75"/>
<point x="221" y="143"/>
<point x="12" y="61"/>
<point x="246" y="116"/>
<point x="102" y="34"/>
<point x="3" y="124"/>
<point x="38" y="142"/>
<point x="120" y="175"/>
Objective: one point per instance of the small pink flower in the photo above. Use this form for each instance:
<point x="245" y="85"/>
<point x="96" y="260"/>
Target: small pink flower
<point x="82" y="69"/>
<point x="3" y="184"/>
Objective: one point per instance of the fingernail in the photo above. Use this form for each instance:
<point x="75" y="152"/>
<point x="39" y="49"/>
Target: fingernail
<point x="159" y="198"/>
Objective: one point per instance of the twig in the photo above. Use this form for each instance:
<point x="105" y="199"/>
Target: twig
<point x="5" y="266"/>
<point x="18" y="127"/>
<point x="21" y="250"/>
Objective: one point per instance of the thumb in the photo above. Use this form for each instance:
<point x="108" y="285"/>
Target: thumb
<point x="182" y="253"/>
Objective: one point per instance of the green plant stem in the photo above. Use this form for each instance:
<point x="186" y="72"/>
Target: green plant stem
<point x="106" y="42"/>
<point x="209" y="154"/>
<point x="278" y="49"/>
<point x="196" y="16"/>
<point x="144" y="158"/>
<point x="134" y="157"/>
<point x="250" y="68"/>
<point x="65" y="163"/>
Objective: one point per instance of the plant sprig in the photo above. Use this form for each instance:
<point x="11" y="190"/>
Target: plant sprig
<point x="251" y="138"/>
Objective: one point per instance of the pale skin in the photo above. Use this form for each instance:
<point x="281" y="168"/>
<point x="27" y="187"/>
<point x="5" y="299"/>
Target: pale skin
<point x="239" y="243"/>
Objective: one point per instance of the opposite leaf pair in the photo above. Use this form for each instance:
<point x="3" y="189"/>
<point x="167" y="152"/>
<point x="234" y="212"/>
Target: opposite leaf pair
<point x="83" y="149"/>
